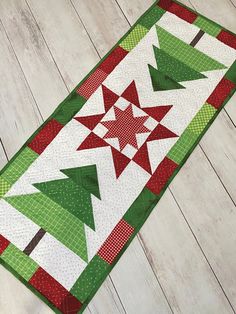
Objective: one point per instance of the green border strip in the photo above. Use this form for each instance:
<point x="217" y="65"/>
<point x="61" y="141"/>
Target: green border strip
<point x="153" y="204"/>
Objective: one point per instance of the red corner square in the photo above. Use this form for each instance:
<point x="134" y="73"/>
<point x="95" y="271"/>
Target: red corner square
<point x="220" y="93"/>
<point x="70" y="305"/>
<point x="162" y="174"/>
<point x="165" y="4"/>
<point x="45" y="136"/>
<point x="55" y="292"/>
<point x="227" y="38"/>
<point x="178" y="10"/>
<point x="116" y="241"/>
<point x="3" y="244"/>
<point x="113" y="59"/>
<point x="48" y="287"/>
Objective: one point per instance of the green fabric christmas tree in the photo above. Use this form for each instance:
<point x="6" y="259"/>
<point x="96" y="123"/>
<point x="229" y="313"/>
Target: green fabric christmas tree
<point x="177" y="62"/>
<point x="74" y="193"/>
<point x="54" y="208"/>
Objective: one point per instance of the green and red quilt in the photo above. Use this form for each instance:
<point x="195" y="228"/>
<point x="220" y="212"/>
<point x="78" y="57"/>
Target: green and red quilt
<point x="81" y="187"/>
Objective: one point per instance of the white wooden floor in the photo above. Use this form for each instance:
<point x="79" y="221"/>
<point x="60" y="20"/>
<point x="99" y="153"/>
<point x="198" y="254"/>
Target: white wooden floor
<point x="184" y="259"/>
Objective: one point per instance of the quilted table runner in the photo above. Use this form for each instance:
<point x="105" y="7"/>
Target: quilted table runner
<point x="78" y="191"/>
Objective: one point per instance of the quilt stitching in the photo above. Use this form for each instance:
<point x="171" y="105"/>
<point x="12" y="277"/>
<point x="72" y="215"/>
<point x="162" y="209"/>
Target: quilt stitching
<point x="64" y="221"/>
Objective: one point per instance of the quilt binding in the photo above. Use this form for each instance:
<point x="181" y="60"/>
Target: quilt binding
<point x="229" y="74"/>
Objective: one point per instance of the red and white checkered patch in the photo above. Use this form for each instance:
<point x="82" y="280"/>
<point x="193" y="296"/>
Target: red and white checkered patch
<point x="92" y="83"/>
<point x="116" y="241"/>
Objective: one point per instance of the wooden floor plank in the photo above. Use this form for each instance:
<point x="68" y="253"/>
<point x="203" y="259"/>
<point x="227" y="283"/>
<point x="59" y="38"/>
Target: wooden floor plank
<point x="66" y="38"/>
<point x="106" y="28"/>
<point x="133" y="9"/>
<point x="211" y="215"/>
<point x="39" y="68"/>
<point x="233" y="2"/>
<point x="219" y="145"/>
<point x="15" y="124"/>
<point x="230" y="109"/>
<point x="106" y="300"/>
<point x="179" y="264"/>
<point x="136" y="284"/>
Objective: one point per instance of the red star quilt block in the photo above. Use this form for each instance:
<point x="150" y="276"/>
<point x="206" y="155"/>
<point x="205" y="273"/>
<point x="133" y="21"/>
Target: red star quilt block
<point x="126" y="128"/>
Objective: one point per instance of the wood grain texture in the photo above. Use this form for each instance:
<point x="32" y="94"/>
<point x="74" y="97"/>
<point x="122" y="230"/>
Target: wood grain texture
<point x="136" y="284"/>
<point x="186" y="261"/>
<point x="219" y="145"/>
<point x="211" y="215"/>
<point x="15" y="124"/>
<point x="106" y="299"/>
<point x="37" y="64"/>
<point x="106" y="28"/>
<point x="132" y="8"/>
<point x="66" y="38"/>
<point x="179" y="263"/>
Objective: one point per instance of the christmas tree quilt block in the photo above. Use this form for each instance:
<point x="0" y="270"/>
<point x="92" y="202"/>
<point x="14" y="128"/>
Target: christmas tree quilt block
<point x="82" y="186"/>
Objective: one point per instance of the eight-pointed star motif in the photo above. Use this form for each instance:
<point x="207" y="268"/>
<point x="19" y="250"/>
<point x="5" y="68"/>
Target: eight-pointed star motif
<point x="125" y="127"/>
